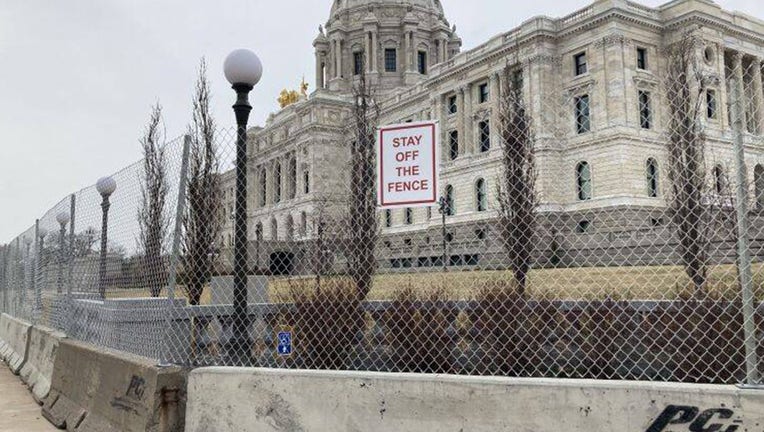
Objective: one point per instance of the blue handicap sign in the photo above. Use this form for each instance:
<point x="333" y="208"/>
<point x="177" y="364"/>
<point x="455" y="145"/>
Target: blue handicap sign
<point x="285" y="343"/>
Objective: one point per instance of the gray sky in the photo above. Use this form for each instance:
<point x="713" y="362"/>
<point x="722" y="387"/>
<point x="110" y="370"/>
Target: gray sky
<point x="77" y="77"/>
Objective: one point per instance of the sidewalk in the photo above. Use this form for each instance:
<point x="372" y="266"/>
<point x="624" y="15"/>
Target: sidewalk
<point x="18" y="411"/>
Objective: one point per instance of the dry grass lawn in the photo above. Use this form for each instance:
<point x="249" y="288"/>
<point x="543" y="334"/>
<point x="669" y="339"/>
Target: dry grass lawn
<point x="593" y="283"/>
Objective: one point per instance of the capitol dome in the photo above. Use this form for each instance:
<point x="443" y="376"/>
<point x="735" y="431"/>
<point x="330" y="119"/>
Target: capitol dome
<point x="395" y="42"/>
<point x="340" y="5"/>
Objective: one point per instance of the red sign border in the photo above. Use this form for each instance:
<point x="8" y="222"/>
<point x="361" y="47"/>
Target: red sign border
<point x="433" y="126"/>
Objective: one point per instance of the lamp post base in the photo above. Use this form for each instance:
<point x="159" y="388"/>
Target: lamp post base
<point x="238" y="352"/>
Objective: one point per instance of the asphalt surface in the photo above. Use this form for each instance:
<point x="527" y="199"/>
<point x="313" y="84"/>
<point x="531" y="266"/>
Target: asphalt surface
<point x="18" y="410"/>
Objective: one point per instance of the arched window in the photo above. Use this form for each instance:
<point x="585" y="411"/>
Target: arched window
<point x="277" y="183"/>
<point x="303" y="224"/>
<point x="289" y="228"/>
<point x="450" y="204"/>
<point x="263" y="188"/>
<point x="259" y="231"/>
<point x="652" y="178"/>
<point x="481" y="197"/>
<point x="720" y="180"/>
<point x="306" y="181"/>
<point x="274" y="229"/>
<point x="758" y="181"/>
<point x="292" y="183"/>
<point x="584" y="181"/>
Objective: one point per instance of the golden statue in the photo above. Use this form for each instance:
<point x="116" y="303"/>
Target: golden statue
<point x="289" y="97"/>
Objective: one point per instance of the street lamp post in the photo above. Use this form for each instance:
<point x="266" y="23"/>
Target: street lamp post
<point x="443" y="206"/>
<point x="243" y="70"/>
<point x="62" y="219"/>
<point x="105" y="186"/>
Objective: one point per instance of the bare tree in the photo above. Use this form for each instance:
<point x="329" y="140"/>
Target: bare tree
<point x="201" y="223"/>
<point x="152" y="218"/>
<point x="517" y="182"/>
<point x="360" y="237"/>
<point x="685" y="84"/>
<point x="319" y="252"/>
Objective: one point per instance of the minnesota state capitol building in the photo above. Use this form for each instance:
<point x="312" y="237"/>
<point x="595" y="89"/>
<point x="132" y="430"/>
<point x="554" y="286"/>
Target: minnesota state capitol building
<point x="590" y="80"/>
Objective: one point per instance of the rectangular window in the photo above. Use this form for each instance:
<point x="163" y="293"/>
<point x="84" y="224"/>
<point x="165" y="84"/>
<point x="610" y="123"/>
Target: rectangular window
<point x="580" y="63"/>
<point x="388" y="218"/>
<point x="453" y="145"/>
<point x="485" y="135"/>
<point x="711" y="104"/>
<point x="422" y="62"/>
<point x="483" y="93"/>
<point x="452" y="109"/>
<point x="408" y="216"/>
<point x="391" y="60"/>
<point x="645" y="113"/>
<point x="357" y="63"/>
<point x="642" y="58"/>
<point x="583" y="119"/>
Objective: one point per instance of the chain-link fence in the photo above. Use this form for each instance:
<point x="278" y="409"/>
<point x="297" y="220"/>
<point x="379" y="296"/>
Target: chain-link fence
<point x="584" y="231"/>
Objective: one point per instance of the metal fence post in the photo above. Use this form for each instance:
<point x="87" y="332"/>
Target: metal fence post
<point x="3" y="282"/>
<point x="744" y="257"/>
<point x="69" y="301"/>
<point x="21" y="278"/>
<point x="175" y="256"/>
<point x="37" y="309"/>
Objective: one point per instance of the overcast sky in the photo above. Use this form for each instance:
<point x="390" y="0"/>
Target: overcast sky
<point x="78" y="77"/>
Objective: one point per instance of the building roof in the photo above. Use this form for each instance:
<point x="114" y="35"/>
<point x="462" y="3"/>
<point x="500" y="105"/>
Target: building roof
<point x="341" y="5"/>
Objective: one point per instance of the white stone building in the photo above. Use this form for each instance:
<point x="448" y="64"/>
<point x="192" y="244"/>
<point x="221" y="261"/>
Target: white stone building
<point x="592" y="82"/>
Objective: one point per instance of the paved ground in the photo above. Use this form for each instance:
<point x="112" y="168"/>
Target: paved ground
<point x="18" y="411"/>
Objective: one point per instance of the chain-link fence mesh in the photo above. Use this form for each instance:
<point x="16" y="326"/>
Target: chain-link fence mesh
<point x="585" y="230"/>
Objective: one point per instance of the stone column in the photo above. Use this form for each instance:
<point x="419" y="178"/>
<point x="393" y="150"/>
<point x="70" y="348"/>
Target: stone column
<point x="319" y="70"/>
<point x="469" y="136"/>
<point x="722" y="97"/>
<point x="737" y="68"/>
<point x="436" y="102"/>
<point x="615" y="110"/>
<point x="406" y="57"/>
<point x="758" y="95"/>
<point x="412" y="54"/>
<point x="495" y="95"/>
<point x="339" y="58"/>
<point x="367" y="53"/>
<point x="461" y="108"/>
<point x="374" y="54"/>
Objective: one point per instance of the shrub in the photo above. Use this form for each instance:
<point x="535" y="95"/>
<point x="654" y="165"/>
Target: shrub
<point x="708" y="339"/>
<point x="326" y="324"/>
<point x="418" y="331"/>
<point x="601" y="330"/>
<point x="505" y="330"/>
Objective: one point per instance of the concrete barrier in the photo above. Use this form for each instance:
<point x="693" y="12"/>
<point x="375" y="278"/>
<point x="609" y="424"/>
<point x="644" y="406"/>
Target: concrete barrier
<point x="3" y="331"/>
<point x="242" y="400"/>
<point x="15" y="333"/>
<point x="41" y="355"/>
<point x="95" y="390"/>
